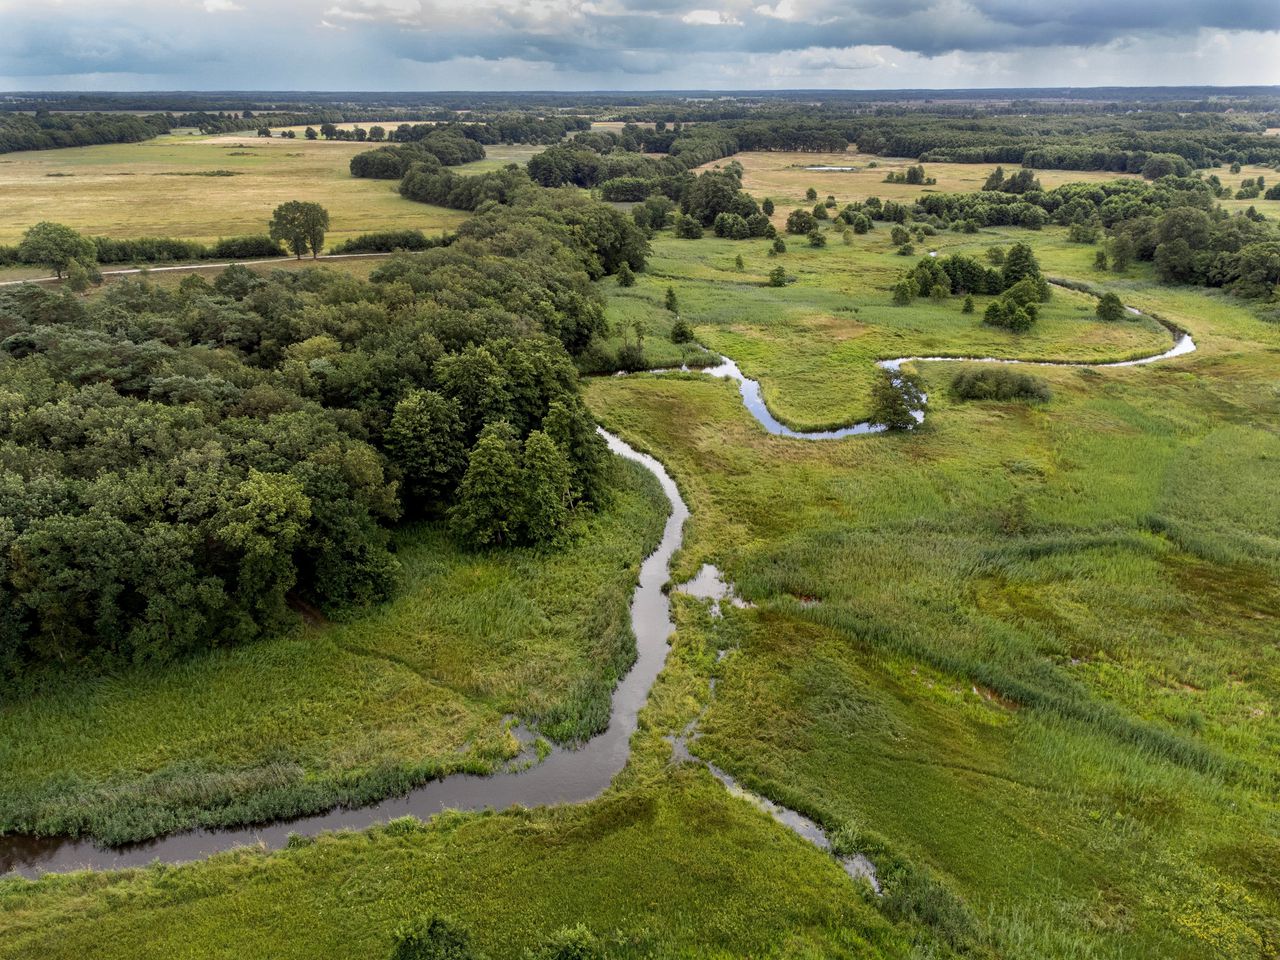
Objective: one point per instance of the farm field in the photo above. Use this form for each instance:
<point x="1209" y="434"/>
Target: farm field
<point x="170" y="194"/>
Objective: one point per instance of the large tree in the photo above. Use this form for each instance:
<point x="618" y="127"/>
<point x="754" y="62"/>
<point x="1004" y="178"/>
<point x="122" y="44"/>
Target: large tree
<point x="301" y="225"/>
<point x="55" y="245"/>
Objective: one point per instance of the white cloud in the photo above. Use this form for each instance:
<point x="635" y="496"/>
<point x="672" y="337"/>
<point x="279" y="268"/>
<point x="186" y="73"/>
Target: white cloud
<point x="221" y="6"/>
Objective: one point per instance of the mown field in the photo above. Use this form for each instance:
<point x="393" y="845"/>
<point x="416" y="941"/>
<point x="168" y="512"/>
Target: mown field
<point x="415" y="688"/>
<point x="1023" y="657"/>
<point x="162" y="188"/>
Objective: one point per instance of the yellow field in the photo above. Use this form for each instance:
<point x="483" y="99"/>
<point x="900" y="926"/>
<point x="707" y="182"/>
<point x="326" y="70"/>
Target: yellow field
<point x="783" y="176"/>
<point x="153" y="188"/>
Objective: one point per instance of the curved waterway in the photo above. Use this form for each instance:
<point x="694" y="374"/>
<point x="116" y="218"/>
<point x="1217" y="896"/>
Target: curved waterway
<point x="566" y="775"/>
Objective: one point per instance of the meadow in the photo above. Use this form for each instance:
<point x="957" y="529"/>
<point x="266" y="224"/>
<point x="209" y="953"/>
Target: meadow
<point x="163" y="187"/>
<point x="1023" y="657"/>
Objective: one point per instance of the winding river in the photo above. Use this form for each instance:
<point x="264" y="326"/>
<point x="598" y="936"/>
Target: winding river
<point x="566" y="775"/>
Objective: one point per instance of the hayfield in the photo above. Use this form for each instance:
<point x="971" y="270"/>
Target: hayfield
<point x="164" y="187"/>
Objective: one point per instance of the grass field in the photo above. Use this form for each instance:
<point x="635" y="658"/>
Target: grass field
<point x="414" y="688"/>
<point x="156" y="188"/>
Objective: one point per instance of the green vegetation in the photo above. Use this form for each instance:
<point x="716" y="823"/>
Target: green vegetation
<point x="181" y="465"/>
<point x="1021" y="656"/>
<point x="408" y="690"/>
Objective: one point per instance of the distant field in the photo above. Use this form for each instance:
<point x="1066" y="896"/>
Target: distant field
<point x="154" y="188"/>
<point x="783" y="176"/>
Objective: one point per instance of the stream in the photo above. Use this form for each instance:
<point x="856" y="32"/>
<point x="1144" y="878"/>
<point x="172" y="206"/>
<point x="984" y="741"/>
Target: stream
<point x="567" y="774"/>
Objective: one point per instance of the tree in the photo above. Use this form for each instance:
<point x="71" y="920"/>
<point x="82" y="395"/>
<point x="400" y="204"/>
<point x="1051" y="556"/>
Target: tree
<point x="739" y="264"/>
<point x="896" y="397"/>
<point x="625" y="277"/>
<point x="426" y="441"/>
<point x="939" y="292"/>
<point x="490" y="493"/>
<point x="767" y="207"/>
<point x="377" y="133"/>
<point x="811" y="194"/>
<point x="544" y="507"/>
<point x="904" y="291"/>
<point x="816" y="238"/>
<point x="1019" y="263"/>
<point x="301" y="225"/>
<point x="1100" y="260"/>
<point x="778" y="277"/>
<point x="1121" y="253"/>
<point x="672" y="304"/>
<point x="899" y="235"/>
<point x="968" y="305"/>
<point x="310" y="133"/>
<point x="77" y="277"/>
<point x="328" y="131"/>
<point x="800" y="221"/>
<point x="779" y="245"/>
<point x="1109" y="307"/>
<point x="55" y="245"/>
<point x="264" y="131"/>
<point x="681" y="332"/>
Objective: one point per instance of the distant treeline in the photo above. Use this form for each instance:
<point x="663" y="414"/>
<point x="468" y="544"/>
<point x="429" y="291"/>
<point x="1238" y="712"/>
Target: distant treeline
<point x="50" y="131"/>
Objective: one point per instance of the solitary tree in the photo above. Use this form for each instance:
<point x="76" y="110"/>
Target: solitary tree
<point x="968" y="305"/>
<point x="310" y="133"/>
<point x="767" y="207"/>
<point x="778" y="277"/>
<point x="811" y="194"/>
<point x="301" y="225"/>
<point x="895" y="398"/>
<point x="1110" y="308"/>
<point x="672" y="304"/>
<point x="681" y="332"/>
<point x="55" y="245"/>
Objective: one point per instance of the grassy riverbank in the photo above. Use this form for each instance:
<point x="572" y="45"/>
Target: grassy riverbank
<point x="415" y="688"/>
<point x="1028" y="648"/>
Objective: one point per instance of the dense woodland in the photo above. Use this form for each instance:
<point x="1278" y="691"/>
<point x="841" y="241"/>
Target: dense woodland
<point x="177" y="465"/>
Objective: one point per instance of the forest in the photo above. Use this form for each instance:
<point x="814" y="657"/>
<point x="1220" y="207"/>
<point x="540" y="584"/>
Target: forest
<point x="255" y="438"/>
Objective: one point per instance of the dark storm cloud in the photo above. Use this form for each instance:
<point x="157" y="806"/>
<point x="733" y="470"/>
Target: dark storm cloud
<point x="593" y="39"/>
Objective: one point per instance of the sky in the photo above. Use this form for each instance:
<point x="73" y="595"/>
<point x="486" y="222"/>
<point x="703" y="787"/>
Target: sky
<point x="633" y="44"/>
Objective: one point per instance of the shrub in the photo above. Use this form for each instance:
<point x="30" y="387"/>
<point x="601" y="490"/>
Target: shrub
<point x="998" y="383"/>
<point x="777" y="277"/>
<point x="433" y="939"/>
<point x="385" y="241"/>
<point x="625" y="277"/>
<point x="681" y="332"/>
<point x="1110" y="308"/>
<point x="968" y="305"/>
<point x="569" y="943"/>
<point x="816" y="238"/>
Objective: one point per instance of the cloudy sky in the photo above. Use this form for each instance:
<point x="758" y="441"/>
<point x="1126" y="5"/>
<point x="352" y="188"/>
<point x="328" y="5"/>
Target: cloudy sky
<point x="633" y="44"/>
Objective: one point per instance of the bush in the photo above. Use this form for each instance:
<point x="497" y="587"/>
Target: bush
<point x="1110" y="308"/>
<point x="433" y="939"/>
<point x="681" y="332"/>
<point x="569" y="943"/>
<point x="998" y="383"/>
<point x="386" y="241"/>
<point x="777" y="277"/>
<point x="246" y="248"/>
